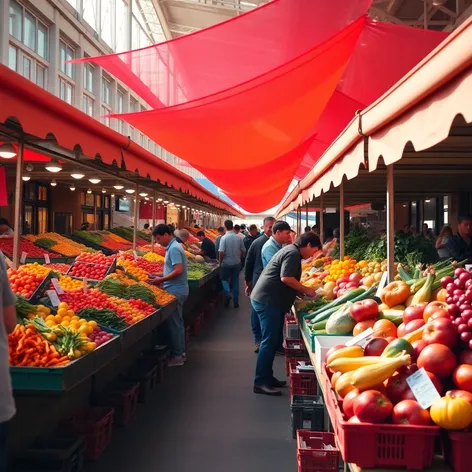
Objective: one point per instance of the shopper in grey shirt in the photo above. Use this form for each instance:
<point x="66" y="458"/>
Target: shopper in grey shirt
<point x="7" y="325"/>
<point x="231" y="251"/>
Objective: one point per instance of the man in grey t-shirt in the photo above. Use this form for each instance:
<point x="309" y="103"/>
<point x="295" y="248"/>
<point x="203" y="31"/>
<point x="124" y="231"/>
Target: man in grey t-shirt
<point x="231" y="251"/>
<point x="7" y="325"/>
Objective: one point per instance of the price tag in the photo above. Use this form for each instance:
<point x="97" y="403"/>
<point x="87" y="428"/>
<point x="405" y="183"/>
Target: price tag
<point x="423" y="388"/>
<point x="361" y="339"/>
<point x="135" y="254"/>
<point x="46" y="259"/>
<point x="382" y="283"/>
<point x="53" y="297"/>
<point x="85" y="284"/>
<point x="23" y="257"/>
<point x="57" y="286"/>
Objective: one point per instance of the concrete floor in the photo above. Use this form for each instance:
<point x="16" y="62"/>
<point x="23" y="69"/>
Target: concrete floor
<point x="205" y="417"/>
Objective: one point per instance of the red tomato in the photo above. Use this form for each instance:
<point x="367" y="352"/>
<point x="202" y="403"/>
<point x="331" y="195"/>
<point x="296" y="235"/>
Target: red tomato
<point x="372" y="407"/>
<point x="348" y="402"/>
<point x="432" y="307"/>
<point x="462" y="377"/>
<point x="410" y="412"/>
<point x="364" y="310"/>
<point x="437" y="359"/>
<point x="414" y="312"/>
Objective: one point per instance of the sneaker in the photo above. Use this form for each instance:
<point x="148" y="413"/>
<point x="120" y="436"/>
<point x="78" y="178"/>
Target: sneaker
<point x="257" y="347"/>
<point x="176" y="362"/>
<point x="267" y="390"/>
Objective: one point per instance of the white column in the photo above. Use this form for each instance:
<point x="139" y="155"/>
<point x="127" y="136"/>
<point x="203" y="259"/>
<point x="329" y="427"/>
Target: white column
<point x="321" y="225"/>
<point x="341" y="221"/>
<point x="390" y="224"/>
<point x="4" y="30"/>
<point x="79" y="76"/>
<point x="136" y="215"/>
<point x="54" y="56"/>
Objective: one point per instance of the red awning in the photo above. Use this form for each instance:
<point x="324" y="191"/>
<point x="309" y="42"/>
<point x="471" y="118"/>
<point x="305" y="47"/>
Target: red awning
<point x="42" y="114"/>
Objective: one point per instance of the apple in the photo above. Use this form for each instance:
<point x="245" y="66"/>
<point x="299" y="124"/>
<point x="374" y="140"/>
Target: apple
<point x="401" y="330"/>
<point x="364" y="310"/>
<point x="467" y="396"/>
<point x="437" y="359"/>
<point x="355" y="277"/>
<point x="413" y="326"/>
<point x="440" y="313"/>
<point x="397" y="386"/>
<point x="372" y="407"/>
<point x="414" y="312"/>
<point x="410" y="412"/>
<point x="418" y="346"/>
<point x="375" y="347"/>
<point x="440" y="331"/>
<point x="348" y="402"/>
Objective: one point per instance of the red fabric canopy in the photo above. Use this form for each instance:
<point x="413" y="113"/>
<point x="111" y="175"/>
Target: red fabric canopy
<point x="239" y="95"/>
<point x="383" y="55"/>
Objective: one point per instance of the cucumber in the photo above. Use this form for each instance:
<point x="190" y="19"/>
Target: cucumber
<point x="404" y="274"/>
<point x="335" y="303"/>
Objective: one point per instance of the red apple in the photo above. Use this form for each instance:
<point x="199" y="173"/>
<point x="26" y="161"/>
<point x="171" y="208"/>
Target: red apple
<point x="375" y="347"/>
<point x="440" y="331"/>
<point x="348" y="402"/>
<point x="401" y="330"/>
<point x="467" y="396"/>
<point x="414" y="312"/>
<point x="437" y="359"/>
<point x="410" y="412"/>
<point x="372" y="407"/>
<point x="364" y="310"/>
<point x="418" y="346"/>
<point x="462" y="377"/>
<point x="396" y="386"/>
<point x="413" y="326"/>
<point x="440" y="313"/>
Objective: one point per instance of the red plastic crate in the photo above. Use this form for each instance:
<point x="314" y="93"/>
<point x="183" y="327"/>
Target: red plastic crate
<point x="457" y="450"/>
<point x="197" y="324"/>
<point x="311" y="456"/>
<point x="293" y="361"/>
<point x="295" y="348"/>
<point x="291" y="327"/>
<point x="302" y="383"/>
<point x="371" y="445"/>
<point x="122" y="396"/>
<point x="96" y="424"/>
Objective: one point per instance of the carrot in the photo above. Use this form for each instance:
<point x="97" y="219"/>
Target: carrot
<point x="60" y="364"/>
<point x="46" y="346"/>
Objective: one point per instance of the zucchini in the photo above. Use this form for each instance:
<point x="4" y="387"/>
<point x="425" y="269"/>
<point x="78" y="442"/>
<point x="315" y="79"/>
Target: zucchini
<point x="335" y="303"/>
<point x="404" y="274"/>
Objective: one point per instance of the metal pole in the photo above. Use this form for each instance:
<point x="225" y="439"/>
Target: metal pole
<point x="306" y="214"/>
<point x="341" y="220"/>
<point x="135" y="229"/>
<point x="18" y="217"/>
<point x="321" y="225"/>
<point x="390" y="224"/>
<point x="153" y="219"/>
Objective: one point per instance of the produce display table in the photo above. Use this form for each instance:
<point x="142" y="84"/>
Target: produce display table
<point x="438" y="466"/>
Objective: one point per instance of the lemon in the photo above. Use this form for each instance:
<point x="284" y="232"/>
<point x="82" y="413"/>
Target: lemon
<point x="50" y="317"/>
<point x="63" y="305"/>
<point x="62" y="312"/>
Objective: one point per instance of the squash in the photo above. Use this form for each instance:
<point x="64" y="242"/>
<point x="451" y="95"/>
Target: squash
<point x="414" y="335"/>
<point x="348" y="351"/>
<point x="451" y="412"/>
<point x="348" y="364"/>
<point x="397" y="347"/>
<point x="371" y="375"/>
<point x="395" y="293"/>
<point x="344" y="385"/>
<point x="395" y="316"/>
<point x="341" y="322"/>
<point x="335" y="378"/>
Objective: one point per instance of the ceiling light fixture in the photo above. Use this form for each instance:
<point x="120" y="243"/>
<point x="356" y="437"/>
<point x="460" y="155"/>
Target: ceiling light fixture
<point x="89" y="191"/>
<point x="76" y="174"/>
<point x="7" y="151"/>
<point x="159" y="199"/>
<point x="25" y="178"/>
<point x="143" y="194"/>
<point x="104" y="191"/>
<point x="94" y="181"/>
<point x="118" y="186"/>
<point x="53" y="166"/>
<point x="427" y="201"/>
<point x="146" y="198"/>
<point x="166" y="202"/>
<point x="129" y="190"/>
<point x="112" y="195"/>
<point x="53" y="183"/>
<point x="72" y="187"/>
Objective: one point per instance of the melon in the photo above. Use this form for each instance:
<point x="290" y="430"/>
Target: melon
<point x="199" y="259"/>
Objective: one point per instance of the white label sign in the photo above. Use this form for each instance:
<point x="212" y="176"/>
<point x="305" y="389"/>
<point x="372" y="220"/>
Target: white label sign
<point x="85" y="284"/>
<point x="423" y="388"/>
<point x="362" y="339"/>
<point x="46" y="259"/>
<point x="53" y="297"/>
<point x="57" y="286"/>
<point x="23" y="257"/>
<point x="382" y="283"/>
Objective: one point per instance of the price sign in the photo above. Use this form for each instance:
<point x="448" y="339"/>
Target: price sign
<point x="23" y="257"/>
<point x="382" y="283"/>
<point x="361" y="339"/>
<point x="423" y="388"/>
<point x="57" y="286"/>
<point x="53" y="297"/>
<point x="85" y="284"/>
<point x="46" y="259"/>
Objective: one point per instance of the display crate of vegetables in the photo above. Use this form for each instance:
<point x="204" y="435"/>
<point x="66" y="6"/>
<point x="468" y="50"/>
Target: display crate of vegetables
<point x="150" y="267"/>
<point x="32" y="251"/>
<point x="94" y="267"/>
<point x="127" y="233"/>
<point x="29" y="283"/>
<point x="60" y="244"/>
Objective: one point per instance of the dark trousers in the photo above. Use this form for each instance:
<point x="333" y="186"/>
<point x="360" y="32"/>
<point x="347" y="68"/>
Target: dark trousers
<point x="3" y="447"/>
<point x="230" y="281"/>
<point x="271" y="320"/>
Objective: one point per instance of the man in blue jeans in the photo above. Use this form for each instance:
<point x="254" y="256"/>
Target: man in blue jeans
<point x="175" y="282"/>
<point x="231" y="252"/>
<point x="272" y="297"/>
<point x="7" y="325"/>
<point x="252" y="271"/>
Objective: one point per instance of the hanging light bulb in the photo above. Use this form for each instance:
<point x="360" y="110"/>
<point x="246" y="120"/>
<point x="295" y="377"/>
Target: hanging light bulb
<point x="72" y="187"/>
<point x="146" y="198"/>
<point x="118" y="186"/>
<point x="89" y="191"/>
<point x="76" y="174"/>
<point x="112" y="195"/>
<point x="104" y="191"/>
<point x="7" y="151"/>
<point x="25" y="178"/>
<point x="94" y="181"/>
<point x="159" y="199"/>
<point x="53" y="166"/>
<point x="129" y="190"/>
<point x="143" y="194"/>
<point x="166" y="202"/>
<point x="53" y="183"/>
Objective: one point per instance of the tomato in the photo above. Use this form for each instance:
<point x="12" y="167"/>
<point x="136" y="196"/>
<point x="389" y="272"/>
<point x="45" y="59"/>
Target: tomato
<point x="413" y="326"/>
<point x="440" y="331"/>
<point x="372" y="407"/>
<point x="410" y="412"/>
<point x="364" y="310"/>
<point x="414" y="312"/>
<point x="348" y="402"/>
<point x="384" y="329"/>
<point x="462" y="377"/>
<point x="437" y="359"/>
<point x="362" y="326"/>
<point x="432" y="307"/>
<point x="375" y="347"/>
